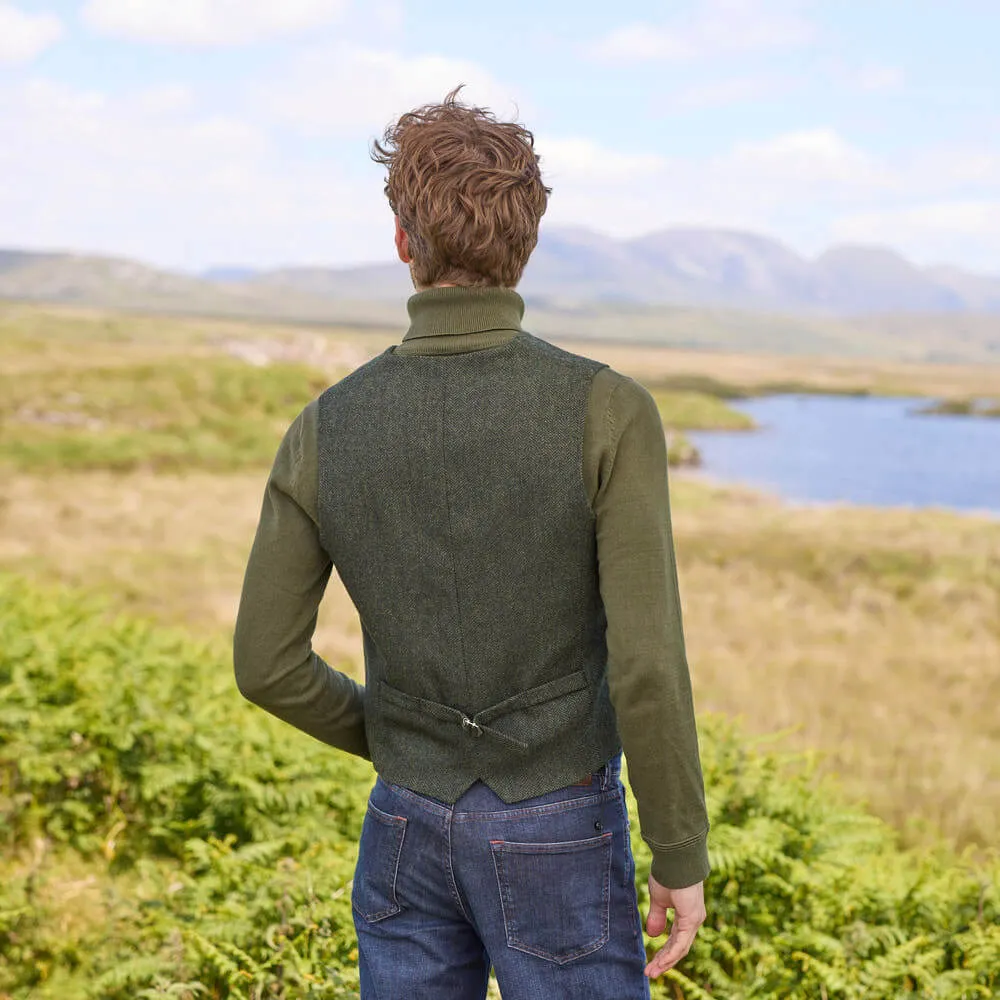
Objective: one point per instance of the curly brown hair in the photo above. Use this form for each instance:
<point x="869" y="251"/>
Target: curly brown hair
<point x="467" y="190"/>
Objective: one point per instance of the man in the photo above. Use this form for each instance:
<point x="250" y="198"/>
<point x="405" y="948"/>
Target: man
<point x="497" y="509"/>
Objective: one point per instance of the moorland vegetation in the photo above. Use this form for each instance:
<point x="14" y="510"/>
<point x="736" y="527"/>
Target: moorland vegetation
<point x="161" y="838"/>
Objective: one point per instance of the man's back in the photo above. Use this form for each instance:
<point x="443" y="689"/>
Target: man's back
<point x="459" y="523"/>
<point x="498" y="511"/>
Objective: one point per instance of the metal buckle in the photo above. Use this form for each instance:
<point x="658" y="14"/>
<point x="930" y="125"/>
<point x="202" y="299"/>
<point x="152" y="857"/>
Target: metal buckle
<point x="472" y="726"/>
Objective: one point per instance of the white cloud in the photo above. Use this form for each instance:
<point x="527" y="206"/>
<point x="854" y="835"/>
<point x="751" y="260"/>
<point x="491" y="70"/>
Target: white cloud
<point x="151" y="175"/>
<point x="725" y="92"/>
<point x="969" y="167"/>
<point x="25" y="36"/>
<point x="142" y="177"/>
<point x="584" y="161"/>
<point x="388" y="15"/>
<point x="717" y="28"/>
<point x="613" y="191"/>
<point x="356" y="91"/>
<point x="208" y="22"/>
<point x="952" y="231"/>
<point x="621" y="193"/>
<point x="787" y="185"/>
<point x="166" y="99"/>
<point x="809" y="159"/>
<point x="879" y="79"/>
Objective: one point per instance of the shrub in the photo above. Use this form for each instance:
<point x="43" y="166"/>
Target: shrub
<point x="232" y="840"/>
<point x="698" y="411"/>
<point x="811" y="897"/>
<point x="271" y="919"/>
<point x="126" y="738"/>
<point x="214" y="413"/>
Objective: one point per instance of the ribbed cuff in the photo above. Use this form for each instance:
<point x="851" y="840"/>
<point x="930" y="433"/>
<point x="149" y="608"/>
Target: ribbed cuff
<point x="679" y="867"/>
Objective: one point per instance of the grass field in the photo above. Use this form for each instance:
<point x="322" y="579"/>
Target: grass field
<point x="875" y="634"/>
<point x="870" y="636"/>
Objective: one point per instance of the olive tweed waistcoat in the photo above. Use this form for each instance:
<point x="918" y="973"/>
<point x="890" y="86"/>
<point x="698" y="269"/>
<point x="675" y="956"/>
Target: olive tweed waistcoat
<point x="452" y="504"/>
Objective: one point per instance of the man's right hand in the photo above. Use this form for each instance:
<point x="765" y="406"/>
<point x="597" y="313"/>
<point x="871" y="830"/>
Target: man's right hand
<point x="689" y="914"/>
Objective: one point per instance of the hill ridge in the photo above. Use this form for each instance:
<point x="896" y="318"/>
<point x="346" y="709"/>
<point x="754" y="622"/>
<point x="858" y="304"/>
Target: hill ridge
<point x="683" y="265"/>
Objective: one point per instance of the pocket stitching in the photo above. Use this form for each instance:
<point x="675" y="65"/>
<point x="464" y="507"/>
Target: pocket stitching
<point x="396" y="823"/>
<point x="567" y="847"/>
<point x="629" y="859"/>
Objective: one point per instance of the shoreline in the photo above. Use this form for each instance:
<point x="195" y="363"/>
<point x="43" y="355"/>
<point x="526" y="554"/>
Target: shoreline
<point x="761" y="495"/>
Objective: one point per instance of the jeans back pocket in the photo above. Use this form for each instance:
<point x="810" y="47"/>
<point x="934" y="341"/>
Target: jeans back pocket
<point x="373" y="894"/>
<point x="556" y="898"/>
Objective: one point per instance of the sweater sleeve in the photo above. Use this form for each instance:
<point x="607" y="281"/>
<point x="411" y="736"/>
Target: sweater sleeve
<point x="286" y="577"/>
<point x="648" y="677"/>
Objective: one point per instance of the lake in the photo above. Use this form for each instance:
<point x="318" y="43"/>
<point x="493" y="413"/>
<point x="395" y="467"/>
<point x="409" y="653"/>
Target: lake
<point x="860" y="450"/>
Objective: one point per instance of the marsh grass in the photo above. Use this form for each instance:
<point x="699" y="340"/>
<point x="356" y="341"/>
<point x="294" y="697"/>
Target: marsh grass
<point x="964" y="407"/>
<point x="688" y="410"/>
<point x="217" y="413"/>
<point x="731" y="375"/>
<point x="681" y="452"/>
<point x="172" y="545"/>
<point x="871" y="636"/>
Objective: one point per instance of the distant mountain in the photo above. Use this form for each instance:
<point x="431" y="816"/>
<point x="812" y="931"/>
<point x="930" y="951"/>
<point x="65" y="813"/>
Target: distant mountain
<point x="118" y="283"/>
<point x="691" y="267"/>
<point x="679" y="267"/>
<point x="64" y="277"/>
<point x="742" y="270"/>
<point x="730" y="268"/>
<point x="683" y="288"/>
<point x="375" y="282"/>
<point x="980" y="293"/>
<point x="873" y="279"/>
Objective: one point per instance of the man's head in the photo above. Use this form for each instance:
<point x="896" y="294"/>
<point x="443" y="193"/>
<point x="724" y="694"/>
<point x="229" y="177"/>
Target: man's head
<point x="466" y="191"/>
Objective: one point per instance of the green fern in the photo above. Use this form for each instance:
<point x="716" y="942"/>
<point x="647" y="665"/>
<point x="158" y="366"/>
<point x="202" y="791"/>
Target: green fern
<point x="225" y="843"/>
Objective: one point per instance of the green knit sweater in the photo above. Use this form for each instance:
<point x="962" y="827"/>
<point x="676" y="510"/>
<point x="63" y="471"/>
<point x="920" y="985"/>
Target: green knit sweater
<point x="625" y="473"/>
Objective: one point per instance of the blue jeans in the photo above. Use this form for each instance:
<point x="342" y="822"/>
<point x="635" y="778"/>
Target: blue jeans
<point x="543" y="890"/>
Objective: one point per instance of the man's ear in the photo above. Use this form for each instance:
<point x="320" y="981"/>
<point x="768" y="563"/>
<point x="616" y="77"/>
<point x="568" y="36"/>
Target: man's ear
<point x="402" y="243"/>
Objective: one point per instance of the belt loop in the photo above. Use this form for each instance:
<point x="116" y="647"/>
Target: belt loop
<point x="610" y="772"/>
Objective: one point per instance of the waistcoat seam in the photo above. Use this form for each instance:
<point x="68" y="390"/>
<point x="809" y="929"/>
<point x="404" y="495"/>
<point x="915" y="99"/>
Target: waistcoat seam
<point x="459" y="624"/>
<point x="583" y="478"/>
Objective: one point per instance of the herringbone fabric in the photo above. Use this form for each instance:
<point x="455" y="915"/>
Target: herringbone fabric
<point x="452" y="505"/>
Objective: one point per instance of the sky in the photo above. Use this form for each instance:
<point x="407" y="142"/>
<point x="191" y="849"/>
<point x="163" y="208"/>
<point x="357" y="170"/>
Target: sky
<point x="193" y="133"/>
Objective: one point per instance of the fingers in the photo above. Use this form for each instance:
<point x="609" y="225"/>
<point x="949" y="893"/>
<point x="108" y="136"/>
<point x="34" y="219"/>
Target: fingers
<point x="656" y="921"/>
<point x="688" y="905"/>
<point x="677" y="946"/>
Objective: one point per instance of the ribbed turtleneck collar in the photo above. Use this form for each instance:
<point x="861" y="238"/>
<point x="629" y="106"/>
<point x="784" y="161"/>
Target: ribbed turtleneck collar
<point x="448" y="311"/>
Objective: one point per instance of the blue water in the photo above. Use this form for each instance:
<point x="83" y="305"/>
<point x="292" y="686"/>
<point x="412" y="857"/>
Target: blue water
<point x="862" y="451"/>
